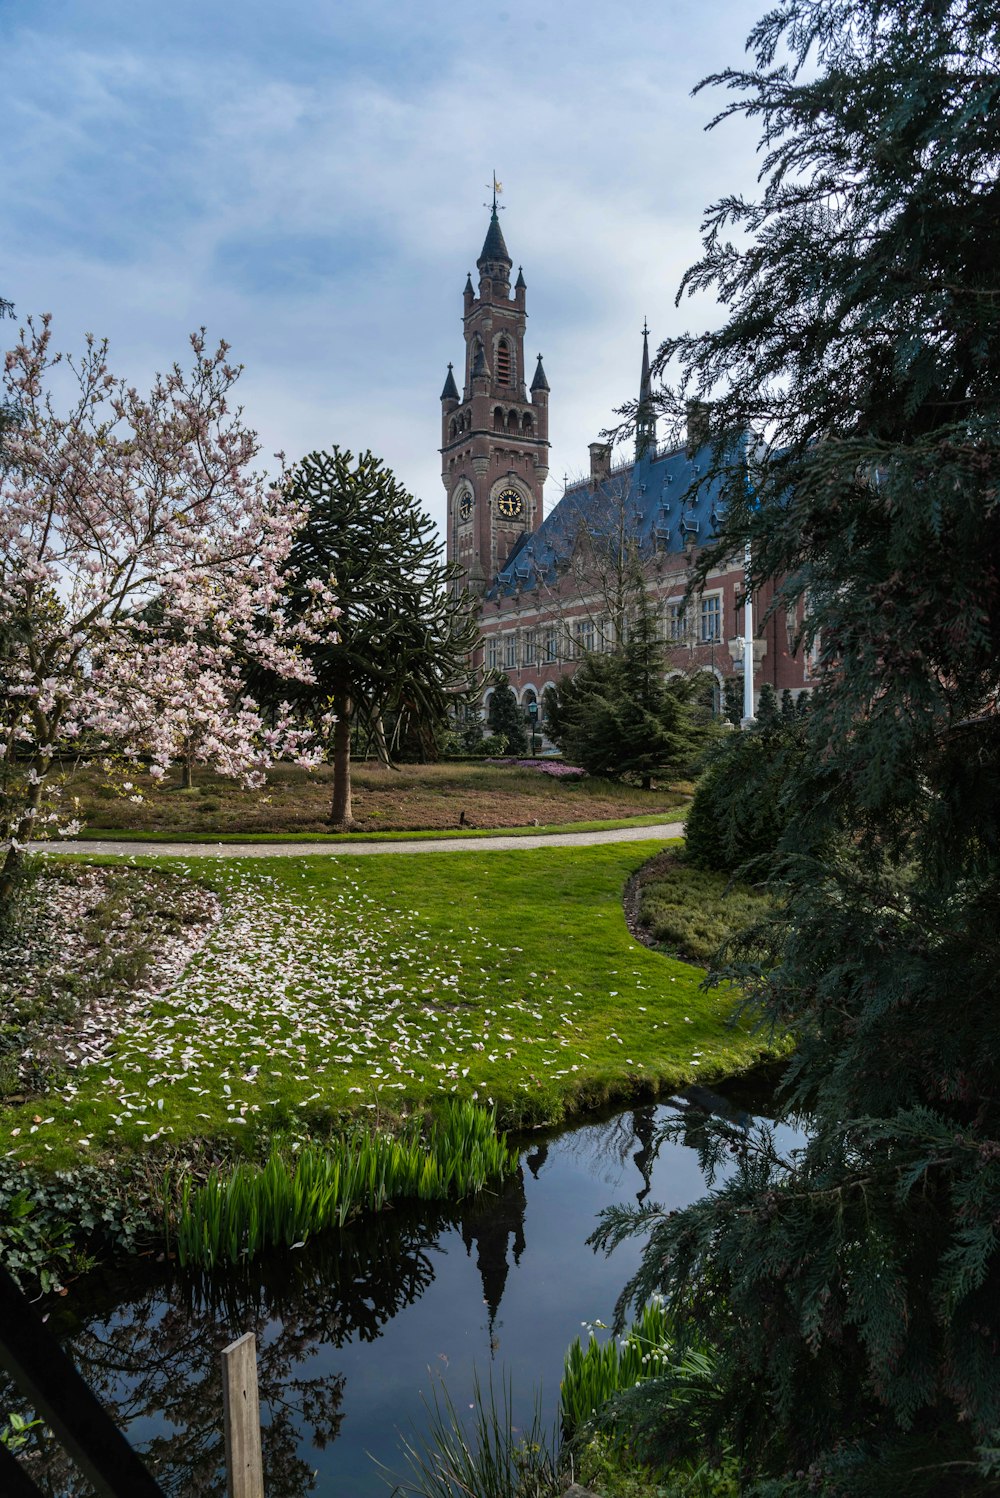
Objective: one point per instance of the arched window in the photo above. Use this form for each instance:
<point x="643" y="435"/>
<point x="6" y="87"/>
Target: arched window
<point x="454" y="428"/>
<point x="497" y="419"/>
<point x="526" y="423"/>
<point x="512" y="422"/>
<point x="503" y="362"/>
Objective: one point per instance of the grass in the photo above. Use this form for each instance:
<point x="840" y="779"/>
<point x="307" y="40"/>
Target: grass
<point x="691" y="912"/>
<point x="130" y="835"/>
<point x="336" y="987"/>
<point x="235" y="1215"/>
<point x="413" y="798"/>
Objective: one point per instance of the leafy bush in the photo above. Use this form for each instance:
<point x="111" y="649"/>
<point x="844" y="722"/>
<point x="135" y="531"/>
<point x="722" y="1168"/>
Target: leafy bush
<point x="644" y="1398"/>
<point x="52" y="1227"/>
<point x="693" y="911"/>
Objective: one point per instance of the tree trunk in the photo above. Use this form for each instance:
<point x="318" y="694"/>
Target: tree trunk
<point x="187" y="774"/>
<point x="341" y="815"/>
<point x="381" y="747"/>
<point x="25" y="826"/>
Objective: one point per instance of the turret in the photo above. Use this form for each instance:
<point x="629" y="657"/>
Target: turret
<point x="494" y="264"/>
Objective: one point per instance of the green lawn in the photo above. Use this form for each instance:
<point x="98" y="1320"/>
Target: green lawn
<point x="336" y="986"/>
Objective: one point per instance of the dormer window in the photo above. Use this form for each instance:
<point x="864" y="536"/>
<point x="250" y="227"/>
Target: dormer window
<point x="503" y="362"/>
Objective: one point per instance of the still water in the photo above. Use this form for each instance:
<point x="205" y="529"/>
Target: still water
<point x="354" y="1332"/>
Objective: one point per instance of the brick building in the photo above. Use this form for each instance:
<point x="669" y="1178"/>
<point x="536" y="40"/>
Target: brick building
<point x="556" y="586"/>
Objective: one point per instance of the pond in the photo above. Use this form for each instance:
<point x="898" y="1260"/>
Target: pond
<point x="354" y="1332"/>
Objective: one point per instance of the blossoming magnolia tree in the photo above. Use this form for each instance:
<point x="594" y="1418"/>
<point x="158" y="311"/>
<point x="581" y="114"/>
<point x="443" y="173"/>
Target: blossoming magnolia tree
<point x="139" y="576"/>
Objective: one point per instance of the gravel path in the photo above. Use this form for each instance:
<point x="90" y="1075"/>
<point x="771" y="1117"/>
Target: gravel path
<point x="499" y="844"/>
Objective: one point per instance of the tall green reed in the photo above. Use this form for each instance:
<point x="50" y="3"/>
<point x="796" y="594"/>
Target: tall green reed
<point x="489" y="1455"/>
<point x="592" y="1374"/>
<point x="234" y="1215"/>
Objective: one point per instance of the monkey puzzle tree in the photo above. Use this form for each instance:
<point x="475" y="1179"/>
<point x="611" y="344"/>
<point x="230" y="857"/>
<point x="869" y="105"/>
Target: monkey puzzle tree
<point x="404" y="631"/>
<point x="853" y="1291"/>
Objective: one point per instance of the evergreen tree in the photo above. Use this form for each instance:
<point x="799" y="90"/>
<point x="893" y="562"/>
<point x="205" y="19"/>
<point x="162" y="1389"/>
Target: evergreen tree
<point x="733" y="700"/>
<point x="402" y="641"/>
<point x="506" y="718"/>
<point x="616" y="716"/>
<point x="853" y="1292"/>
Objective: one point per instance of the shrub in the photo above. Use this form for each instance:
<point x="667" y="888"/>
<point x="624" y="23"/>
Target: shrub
<point x="730" y="828"/>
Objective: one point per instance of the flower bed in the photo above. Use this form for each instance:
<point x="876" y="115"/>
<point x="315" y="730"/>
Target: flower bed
<point x="552" y="767"/>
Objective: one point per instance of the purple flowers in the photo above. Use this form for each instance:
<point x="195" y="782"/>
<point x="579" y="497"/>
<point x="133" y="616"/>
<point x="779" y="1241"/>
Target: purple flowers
<point x="553" y="767"/>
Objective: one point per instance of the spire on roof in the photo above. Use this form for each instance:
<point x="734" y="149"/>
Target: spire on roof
<point x="469" y="291"/>
<point x="479" y="362"/>
<point x="644" y="377"/>
<point x="539" y="382"/>
<point x="520" y="283"/>
<point x="494" y="249"/>
<point x="450" y="391"/>
<point x="645" y="417"/>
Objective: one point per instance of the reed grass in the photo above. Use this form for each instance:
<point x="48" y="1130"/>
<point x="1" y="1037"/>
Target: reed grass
<point x="592" y="1374"/>
<point x="489" y="1455"/>
<point x="233" y="1216"/>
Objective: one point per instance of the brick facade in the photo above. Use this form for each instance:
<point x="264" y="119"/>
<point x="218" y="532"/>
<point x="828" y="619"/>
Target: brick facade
<point x="552" y="587"/>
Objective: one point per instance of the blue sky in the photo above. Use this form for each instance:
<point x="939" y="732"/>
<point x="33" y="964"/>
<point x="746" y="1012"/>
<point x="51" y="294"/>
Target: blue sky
<point x="308" y="182"/>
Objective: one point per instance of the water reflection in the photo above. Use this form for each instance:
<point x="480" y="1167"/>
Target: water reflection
<point x="346" y="1330"/>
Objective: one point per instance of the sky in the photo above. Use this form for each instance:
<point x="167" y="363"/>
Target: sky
<point x="309" y="181"/>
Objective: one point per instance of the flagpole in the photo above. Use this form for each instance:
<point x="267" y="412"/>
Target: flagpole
<point x="748" y="714"/>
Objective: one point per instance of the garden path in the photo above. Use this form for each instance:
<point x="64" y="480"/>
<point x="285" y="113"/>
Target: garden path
<point x="500" y="844"/>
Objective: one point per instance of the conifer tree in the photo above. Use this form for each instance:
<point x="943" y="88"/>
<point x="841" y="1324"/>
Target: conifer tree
<point x="617" y="716"/>
<point x="404" y="633"/>
<point x="506" y="719"/>
<point x="853" y="1293"/>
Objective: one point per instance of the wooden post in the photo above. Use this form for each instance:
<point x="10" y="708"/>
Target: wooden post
<point x="241" y="1417"/>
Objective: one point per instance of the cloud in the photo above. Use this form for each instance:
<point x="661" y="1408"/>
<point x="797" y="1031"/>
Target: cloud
<point x="312" y="190"/>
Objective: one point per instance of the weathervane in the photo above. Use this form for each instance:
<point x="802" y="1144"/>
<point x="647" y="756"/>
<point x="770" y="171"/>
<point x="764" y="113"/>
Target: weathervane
<point x="497" y="187"/>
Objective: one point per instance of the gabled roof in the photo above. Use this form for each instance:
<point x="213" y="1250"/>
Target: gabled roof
<point x="662" y="512"/>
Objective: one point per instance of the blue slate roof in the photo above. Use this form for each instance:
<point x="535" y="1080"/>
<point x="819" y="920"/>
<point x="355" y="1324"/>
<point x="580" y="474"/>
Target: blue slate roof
<point x="663" y="511"/>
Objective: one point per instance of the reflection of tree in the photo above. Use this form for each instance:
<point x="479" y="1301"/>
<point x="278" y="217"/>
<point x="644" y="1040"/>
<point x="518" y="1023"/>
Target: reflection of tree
<point x="644" y="1134"/>
<point x="151" y="1353"/>
<point x="490" y="1223"/>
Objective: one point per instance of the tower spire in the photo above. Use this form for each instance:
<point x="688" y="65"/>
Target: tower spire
<point x="645" y="418"/>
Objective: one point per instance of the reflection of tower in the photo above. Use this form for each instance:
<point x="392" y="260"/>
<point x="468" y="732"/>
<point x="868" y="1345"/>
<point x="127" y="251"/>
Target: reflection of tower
<point x="490" y="1225"/>
<point x="643" y="1120"/>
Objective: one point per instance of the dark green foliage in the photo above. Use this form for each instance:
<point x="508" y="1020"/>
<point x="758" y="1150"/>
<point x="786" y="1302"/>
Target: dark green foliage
<point x="768" y="709"/>
<point x="616" y="716"/>
<point x="853" y="1293"/>
<point x="732" y="701"/>
<point x="787" y="704"/>
<point x="398" y="661"/>
<point x="506" y="719"/>
<point x="746" y="798"/>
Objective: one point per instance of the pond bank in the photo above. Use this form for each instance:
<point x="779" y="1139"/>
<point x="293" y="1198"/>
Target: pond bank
<point x="356" y="1331"/>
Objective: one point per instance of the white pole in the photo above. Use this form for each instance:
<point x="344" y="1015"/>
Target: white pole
<point x="748" y="715"/>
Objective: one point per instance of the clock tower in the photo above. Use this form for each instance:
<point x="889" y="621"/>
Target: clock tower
<point x="495" y="430"/>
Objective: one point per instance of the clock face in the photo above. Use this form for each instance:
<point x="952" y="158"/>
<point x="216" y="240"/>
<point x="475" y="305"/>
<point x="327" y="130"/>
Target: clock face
<point x="510" y="504"/>
<point x="465" y="507"/>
